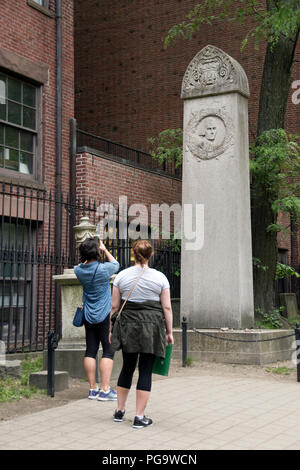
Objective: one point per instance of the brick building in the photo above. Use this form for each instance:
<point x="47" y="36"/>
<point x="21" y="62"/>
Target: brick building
<point x="36" y="104"/>
<point x="127" y="87"/>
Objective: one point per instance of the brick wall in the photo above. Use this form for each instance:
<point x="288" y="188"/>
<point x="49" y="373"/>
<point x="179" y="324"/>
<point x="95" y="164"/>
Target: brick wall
<point x="128" y="87"/>
<point x="105" y="180"/>
<point x="31" y="34"/>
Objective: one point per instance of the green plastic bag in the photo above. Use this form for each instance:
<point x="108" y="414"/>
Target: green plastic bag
<point x="161" y="365"/>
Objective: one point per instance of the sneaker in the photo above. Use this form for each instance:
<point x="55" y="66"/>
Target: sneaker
<point x="107" y="396"/>
<point x="118" y="416"/>
<point x="141" y="423"/>
<point x="93" y="394"/>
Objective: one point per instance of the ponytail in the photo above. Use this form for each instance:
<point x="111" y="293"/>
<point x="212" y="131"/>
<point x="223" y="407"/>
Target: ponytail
<point x="143" y="251"/>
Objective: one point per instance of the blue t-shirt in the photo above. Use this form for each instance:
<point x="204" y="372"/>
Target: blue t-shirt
<point x="96" y="295"/>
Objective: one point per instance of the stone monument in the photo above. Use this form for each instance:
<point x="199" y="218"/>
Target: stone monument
<point x="216" y="279"/>
<point x="71" y="291"/>
<point x="71" y="347"/>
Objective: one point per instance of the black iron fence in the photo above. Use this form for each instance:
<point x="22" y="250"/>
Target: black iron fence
<point x="123" y="152"/>
<point x="29" y="299"/>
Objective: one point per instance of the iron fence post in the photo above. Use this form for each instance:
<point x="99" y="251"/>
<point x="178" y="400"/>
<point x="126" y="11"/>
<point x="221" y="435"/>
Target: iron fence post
<point x="72" y="191"/>
<point x="297" y="333"/>
<point x="184" y="341"/>
<point x="52" y="345"/>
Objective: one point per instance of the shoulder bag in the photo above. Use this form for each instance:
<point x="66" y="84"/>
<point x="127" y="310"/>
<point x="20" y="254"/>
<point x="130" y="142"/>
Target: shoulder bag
<point x="79" y="314"/>
<point x="117" y="314"/>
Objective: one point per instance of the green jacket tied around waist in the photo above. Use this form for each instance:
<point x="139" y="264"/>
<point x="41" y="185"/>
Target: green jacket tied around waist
<point x="140" y="328"/>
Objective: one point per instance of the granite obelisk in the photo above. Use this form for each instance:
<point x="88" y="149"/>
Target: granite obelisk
<point x="216" y="277"/>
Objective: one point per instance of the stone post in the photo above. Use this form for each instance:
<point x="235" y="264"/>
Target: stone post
<point x="216" y="277"/>
<point x="71" y="298"/>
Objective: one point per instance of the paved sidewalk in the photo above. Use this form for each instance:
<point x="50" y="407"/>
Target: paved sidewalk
<point x="196" y="412"/>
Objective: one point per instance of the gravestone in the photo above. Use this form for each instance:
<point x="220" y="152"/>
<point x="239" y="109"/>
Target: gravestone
<point x="216" y="277"/>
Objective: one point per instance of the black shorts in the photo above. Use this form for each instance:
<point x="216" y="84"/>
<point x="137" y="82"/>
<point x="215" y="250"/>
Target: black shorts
<point x="145" y="366"/>
<point x="95" y="334"/>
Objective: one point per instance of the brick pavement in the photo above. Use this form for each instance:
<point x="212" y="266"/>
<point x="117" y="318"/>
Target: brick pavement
<point x="194" y="412"/>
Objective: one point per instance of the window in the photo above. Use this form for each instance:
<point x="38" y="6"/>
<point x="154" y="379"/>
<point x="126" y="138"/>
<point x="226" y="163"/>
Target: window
<point x="17" y="240"/>
<point x="43" y="3"/>
<point x="18" y="124"/>
<point x="43" y="6"/>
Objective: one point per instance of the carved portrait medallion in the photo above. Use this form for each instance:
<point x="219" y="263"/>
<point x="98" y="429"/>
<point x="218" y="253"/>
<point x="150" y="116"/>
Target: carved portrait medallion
<point x="209" y="133"/>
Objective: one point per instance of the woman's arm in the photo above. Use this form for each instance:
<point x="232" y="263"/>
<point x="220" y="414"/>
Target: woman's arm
<point x="115" y="305"/>
<point x="115" y="300"/>
<point x="109" y="256"/>
<point x="165" y="299"/>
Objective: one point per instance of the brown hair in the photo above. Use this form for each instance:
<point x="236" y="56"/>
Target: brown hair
<point x="143" y="251"/>
<point x="89" y="250"/>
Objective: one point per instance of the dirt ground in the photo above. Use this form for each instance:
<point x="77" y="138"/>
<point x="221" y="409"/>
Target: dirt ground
<point x="78" y="389"/>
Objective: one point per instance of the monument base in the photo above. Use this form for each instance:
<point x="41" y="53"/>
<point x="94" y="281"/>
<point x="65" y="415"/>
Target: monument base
<point x="220" y="349"/>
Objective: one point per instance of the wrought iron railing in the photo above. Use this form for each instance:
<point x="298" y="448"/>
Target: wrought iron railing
<point x="28" y="261"/>
<point x="124" y="153"/>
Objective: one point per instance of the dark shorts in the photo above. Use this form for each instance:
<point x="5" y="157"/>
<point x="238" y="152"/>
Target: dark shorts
<point x="145" y="366"/>
<point x="95" y="334"/>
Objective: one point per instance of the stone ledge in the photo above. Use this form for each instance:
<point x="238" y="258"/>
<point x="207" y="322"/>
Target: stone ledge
<point x="39" y="380"/>
<point x="200" y="347"/>
<point x="11" y="369"/>
<point x="71" y="360"/>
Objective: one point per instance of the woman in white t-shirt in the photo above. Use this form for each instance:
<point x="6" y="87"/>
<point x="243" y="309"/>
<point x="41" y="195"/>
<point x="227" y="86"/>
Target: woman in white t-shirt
<point x="146" y="324"/>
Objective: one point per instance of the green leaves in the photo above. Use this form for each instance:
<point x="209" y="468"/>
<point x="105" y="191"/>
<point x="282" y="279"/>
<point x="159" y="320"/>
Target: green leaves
<point x="270" y="320"/>
<point x="257" y="263"/>
<point x="280" y="18"/>
<point x="283" y="19"/>
<point x="274" y="166"/>
<point x="283" y="270"/>
<point x="275" y="169"/>
<point x="167" y="146"/>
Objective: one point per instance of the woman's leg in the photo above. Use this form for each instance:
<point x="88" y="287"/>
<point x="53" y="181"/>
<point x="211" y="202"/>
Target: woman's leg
<point x="122" y="394"/>
<point x="144" y="384"/>
<point x="89" y="362"/>
<point x="105" y="367"/>
<point x="125" y="378"/>
<point x="107" y="360"/>
<point x="142" y="398"/>
<point x="89" y="365"/>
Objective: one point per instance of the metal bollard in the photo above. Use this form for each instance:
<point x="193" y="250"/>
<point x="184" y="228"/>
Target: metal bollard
<point x="297" y="333"/>
<point x="52" y="345"/>
<point x="184" y="341"/>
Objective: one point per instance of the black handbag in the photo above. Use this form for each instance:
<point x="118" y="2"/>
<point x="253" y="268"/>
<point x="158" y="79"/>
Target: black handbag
<point x="79" y="314"/>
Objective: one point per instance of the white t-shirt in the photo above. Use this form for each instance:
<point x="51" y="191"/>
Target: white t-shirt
<point x="149" y="286"/>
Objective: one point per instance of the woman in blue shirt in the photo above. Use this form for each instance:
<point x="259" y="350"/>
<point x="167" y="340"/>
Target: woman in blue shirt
<point x="94" y="277"/>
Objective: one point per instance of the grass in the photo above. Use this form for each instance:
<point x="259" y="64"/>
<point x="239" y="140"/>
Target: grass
<point x="15" y="389"/>
<point x="293" y="321"/>
<point x="281" y="370"/>
<point x="189" y="361"/>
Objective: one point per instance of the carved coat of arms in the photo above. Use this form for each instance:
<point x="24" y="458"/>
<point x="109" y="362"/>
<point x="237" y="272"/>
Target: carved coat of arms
<point x="212" y="71"/>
